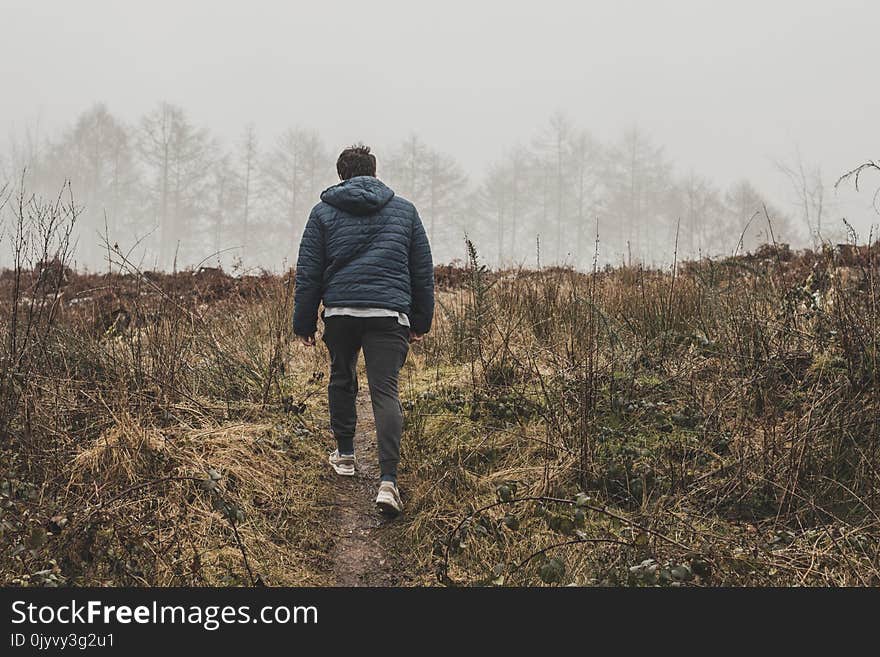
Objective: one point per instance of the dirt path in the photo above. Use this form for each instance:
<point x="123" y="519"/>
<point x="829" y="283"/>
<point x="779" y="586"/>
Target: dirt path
<point x="361" y="556"/>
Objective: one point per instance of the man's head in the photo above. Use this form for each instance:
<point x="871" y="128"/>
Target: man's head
<point x="356" y="161"/>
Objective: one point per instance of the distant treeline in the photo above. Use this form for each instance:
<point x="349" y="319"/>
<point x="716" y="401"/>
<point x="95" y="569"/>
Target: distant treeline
<point x="184" y="196"/>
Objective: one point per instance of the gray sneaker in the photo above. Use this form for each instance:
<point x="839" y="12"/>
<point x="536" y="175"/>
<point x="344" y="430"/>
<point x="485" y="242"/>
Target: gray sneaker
<point x="388" y="499"/>
<point x="343" y="464"/>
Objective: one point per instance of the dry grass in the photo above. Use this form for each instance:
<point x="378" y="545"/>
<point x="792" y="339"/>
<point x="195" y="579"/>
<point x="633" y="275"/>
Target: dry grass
<point x="719" y="426"/>
<point x="155" y="429"/>
<point x="712" y="425"/>
<point x="108" y="485"/>
<point x="191" y="540"/>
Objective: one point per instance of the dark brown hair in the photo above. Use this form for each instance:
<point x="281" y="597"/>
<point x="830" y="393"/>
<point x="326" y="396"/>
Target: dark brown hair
<point x="354" y="161"/>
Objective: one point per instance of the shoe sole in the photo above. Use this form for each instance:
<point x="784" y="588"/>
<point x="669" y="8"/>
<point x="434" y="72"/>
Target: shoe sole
<point x="344" y="470"/>
<point x="387" y="506"/>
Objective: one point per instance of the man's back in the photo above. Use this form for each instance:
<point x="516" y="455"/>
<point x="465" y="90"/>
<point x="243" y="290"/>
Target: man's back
<point x="364" y="247"/>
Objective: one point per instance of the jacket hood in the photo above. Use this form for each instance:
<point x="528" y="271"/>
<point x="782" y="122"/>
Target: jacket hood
<point x="360" y="195"/>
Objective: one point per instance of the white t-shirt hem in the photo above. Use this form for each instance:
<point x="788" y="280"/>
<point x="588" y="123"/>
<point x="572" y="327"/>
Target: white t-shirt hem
<point x="402" y="319"/>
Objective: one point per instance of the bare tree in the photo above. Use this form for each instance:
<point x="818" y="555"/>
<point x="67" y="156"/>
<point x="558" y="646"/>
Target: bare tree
<point x="26" y="151"/>
<point x="435" y="183"/>
<point x="522" y="161"/>
<point x="97" y="156"/>
<point x="406" y="168"/>
<point x="809" y="189"/>
<point x="701" y="213"/>
<point x="222" y="183"/>
<point x="554" y="150"/>
<point x="248" y="154"/>
<point x="748" y="211"/>
<point x="293" y="175"/>
<point x="638" y="179"/>
<point x="176" y="156"/>
<point x="446" y="184"/>
<point x="586" y="160"/>
<point x="494" y="202"/>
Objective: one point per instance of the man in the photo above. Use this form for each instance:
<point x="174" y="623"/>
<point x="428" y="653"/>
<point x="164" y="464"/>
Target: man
<point x="364" y="253"/>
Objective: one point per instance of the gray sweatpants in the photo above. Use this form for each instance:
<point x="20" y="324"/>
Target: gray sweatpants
<point x="385" y="343"/>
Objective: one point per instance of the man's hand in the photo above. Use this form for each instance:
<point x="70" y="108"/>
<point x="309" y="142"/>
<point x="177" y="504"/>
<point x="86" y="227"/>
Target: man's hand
<point x="307" y="340"/>
<point x="415" y="337"/>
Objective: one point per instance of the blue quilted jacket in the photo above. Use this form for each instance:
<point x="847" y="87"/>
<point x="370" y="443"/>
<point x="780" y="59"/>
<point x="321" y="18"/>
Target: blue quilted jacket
<point x="365" y="247"/>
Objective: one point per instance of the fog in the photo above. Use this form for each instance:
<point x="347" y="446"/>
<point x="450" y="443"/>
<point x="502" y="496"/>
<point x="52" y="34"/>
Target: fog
<point x="524" y="125"/>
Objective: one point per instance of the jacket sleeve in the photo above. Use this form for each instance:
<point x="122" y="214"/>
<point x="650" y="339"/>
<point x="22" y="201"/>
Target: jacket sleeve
<point x="421" y="272"/>
<point x="310" y="265"/>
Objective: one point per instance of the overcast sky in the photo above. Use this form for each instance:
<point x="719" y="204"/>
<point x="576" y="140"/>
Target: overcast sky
<point x="725" y="86"/>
